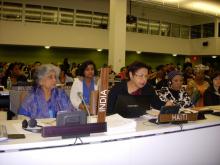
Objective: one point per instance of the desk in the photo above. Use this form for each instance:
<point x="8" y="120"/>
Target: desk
<point x="193" y="143"/>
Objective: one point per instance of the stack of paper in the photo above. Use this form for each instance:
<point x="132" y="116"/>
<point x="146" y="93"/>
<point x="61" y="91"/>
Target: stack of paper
<point x="118" y="124"/>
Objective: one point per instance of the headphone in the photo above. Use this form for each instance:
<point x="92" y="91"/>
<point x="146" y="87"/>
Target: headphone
<point x="31" y="126"/>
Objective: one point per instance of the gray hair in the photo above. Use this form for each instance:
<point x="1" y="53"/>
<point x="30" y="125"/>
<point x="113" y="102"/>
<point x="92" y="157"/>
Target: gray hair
<point x="43" y="70"/>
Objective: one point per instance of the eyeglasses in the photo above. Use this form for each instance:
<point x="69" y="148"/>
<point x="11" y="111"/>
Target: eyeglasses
<point x="141" y="76"/>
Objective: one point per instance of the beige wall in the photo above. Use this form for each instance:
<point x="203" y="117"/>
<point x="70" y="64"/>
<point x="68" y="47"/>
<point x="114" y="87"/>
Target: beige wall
<point x="158" y="44"/>
<point x="197" y="47"/>
<point x="19" y="33"/>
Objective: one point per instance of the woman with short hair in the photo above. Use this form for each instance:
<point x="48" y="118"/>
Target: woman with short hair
<point x="136" y="85"/>
<point x="45" y="100"/>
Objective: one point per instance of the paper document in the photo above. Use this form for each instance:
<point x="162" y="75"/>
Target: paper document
<point x="118" y="124"/>
<point x="154" y="112"/>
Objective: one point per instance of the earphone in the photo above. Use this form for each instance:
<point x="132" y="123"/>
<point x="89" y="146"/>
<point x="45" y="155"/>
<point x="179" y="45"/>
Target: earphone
<point x="31" y="126"/>
<point x="169" y="83"/>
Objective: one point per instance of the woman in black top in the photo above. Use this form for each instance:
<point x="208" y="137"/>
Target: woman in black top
<point x="212" y="94"/>
<point x="136" y="85"/>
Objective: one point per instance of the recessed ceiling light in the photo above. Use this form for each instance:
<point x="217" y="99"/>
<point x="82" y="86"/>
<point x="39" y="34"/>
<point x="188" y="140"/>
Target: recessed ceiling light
<point x="99" y="50"/>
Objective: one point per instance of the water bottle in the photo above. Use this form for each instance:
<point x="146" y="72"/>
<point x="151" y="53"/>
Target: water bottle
<point x="9" y="83"/>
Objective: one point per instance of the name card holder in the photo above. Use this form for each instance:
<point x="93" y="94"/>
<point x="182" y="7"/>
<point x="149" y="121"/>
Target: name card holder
<point x="177" y="118"/>
<point x="103" y="94"/>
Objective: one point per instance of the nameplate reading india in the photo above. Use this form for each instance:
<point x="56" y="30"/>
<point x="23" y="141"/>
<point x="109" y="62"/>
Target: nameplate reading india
<point x="103" y="94"/>
<point x="177" y="117"/>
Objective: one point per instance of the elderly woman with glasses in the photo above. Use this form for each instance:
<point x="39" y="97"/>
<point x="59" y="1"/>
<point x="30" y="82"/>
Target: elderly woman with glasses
<point x="136" y="85"/>
<point x="45" y="100"/>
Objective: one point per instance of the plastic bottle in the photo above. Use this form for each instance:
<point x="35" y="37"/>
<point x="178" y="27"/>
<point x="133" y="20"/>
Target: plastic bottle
<point x="9" y="83"/>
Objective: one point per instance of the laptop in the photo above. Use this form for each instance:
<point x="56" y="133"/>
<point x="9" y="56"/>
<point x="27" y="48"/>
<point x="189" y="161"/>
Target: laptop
<point x="130" y="106"/>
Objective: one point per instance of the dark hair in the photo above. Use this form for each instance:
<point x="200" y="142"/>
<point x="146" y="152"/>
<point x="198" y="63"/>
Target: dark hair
<point x="84" y="65"/>
<point x="159" y="67"/>
<point x="133" y="67"/>
<point x="215" y="74"/>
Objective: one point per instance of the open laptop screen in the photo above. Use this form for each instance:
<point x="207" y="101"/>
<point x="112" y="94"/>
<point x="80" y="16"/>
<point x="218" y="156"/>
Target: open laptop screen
<point x="130" y="106"/>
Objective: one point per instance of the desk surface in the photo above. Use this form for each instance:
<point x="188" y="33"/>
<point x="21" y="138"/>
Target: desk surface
<point x="143" y="128"/>
<point x="199" y="141"/>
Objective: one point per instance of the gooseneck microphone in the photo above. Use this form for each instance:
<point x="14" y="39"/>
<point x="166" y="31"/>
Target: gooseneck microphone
<point x="83" y="101"/>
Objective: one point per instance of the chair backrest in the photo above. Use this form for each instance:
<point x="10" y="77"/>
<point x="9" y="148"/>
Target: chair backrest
<point x="3" y="115"/>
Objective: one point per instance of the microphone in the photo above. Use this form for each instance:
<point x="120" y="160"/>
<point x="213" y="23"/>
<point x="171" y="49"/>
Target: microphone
<point x="83" y="101"/>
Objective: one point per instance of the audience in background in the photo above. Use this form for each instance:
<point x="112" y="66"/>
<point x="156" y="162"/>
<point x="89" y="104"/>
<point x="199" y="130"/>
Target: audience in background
<point x="188" y="74"/>
<point x="34" y="67"/>
<point x="175" y="92"/>
<point x="159" y="80"/>
<point x="73" y="69"/>
<point x="84" y="84"/>
<point x="122" y="74"/>
<point x="45" y="100"/>
<point x="64" y="77"/>
<point x="15" y="74"/>
<point x="198" y="85"/>
<point x="66" y="65"/>
<point x="212" y="94"/>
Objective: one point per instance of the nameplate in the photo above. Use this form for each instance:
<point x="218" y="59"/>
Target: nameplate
<point x="103" y="94"/>
<point x="74" y="130"/>
<point x="180" y="117"/>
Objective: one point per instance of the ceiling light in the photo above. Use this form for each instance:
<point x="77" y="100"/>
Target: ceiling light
<point x="47" y="47"/>
<point x="214" y="56"/>
<point x="174" y="55"/>
<point x="205" y="7"/>
<point x="172" y="1"/>
<point x="99" y="50"/>
<point x="138" y="52"/>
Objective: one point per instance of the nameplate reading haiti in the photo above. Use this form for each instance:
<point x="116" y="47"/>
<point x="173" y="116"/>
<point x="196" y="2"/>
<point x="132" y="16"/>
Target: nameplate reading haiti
<point x="180" y="117"/>
<point x="103" y="94"/>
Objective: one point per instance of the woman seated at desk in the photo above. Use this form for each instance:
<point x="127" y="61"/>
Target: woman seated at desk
<point x="45" y="100"/>
<point x="136" y="85"/>
<point x="175" y="92"/>
<point x="212" y="94"/>
<point x="84" y="85"/>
